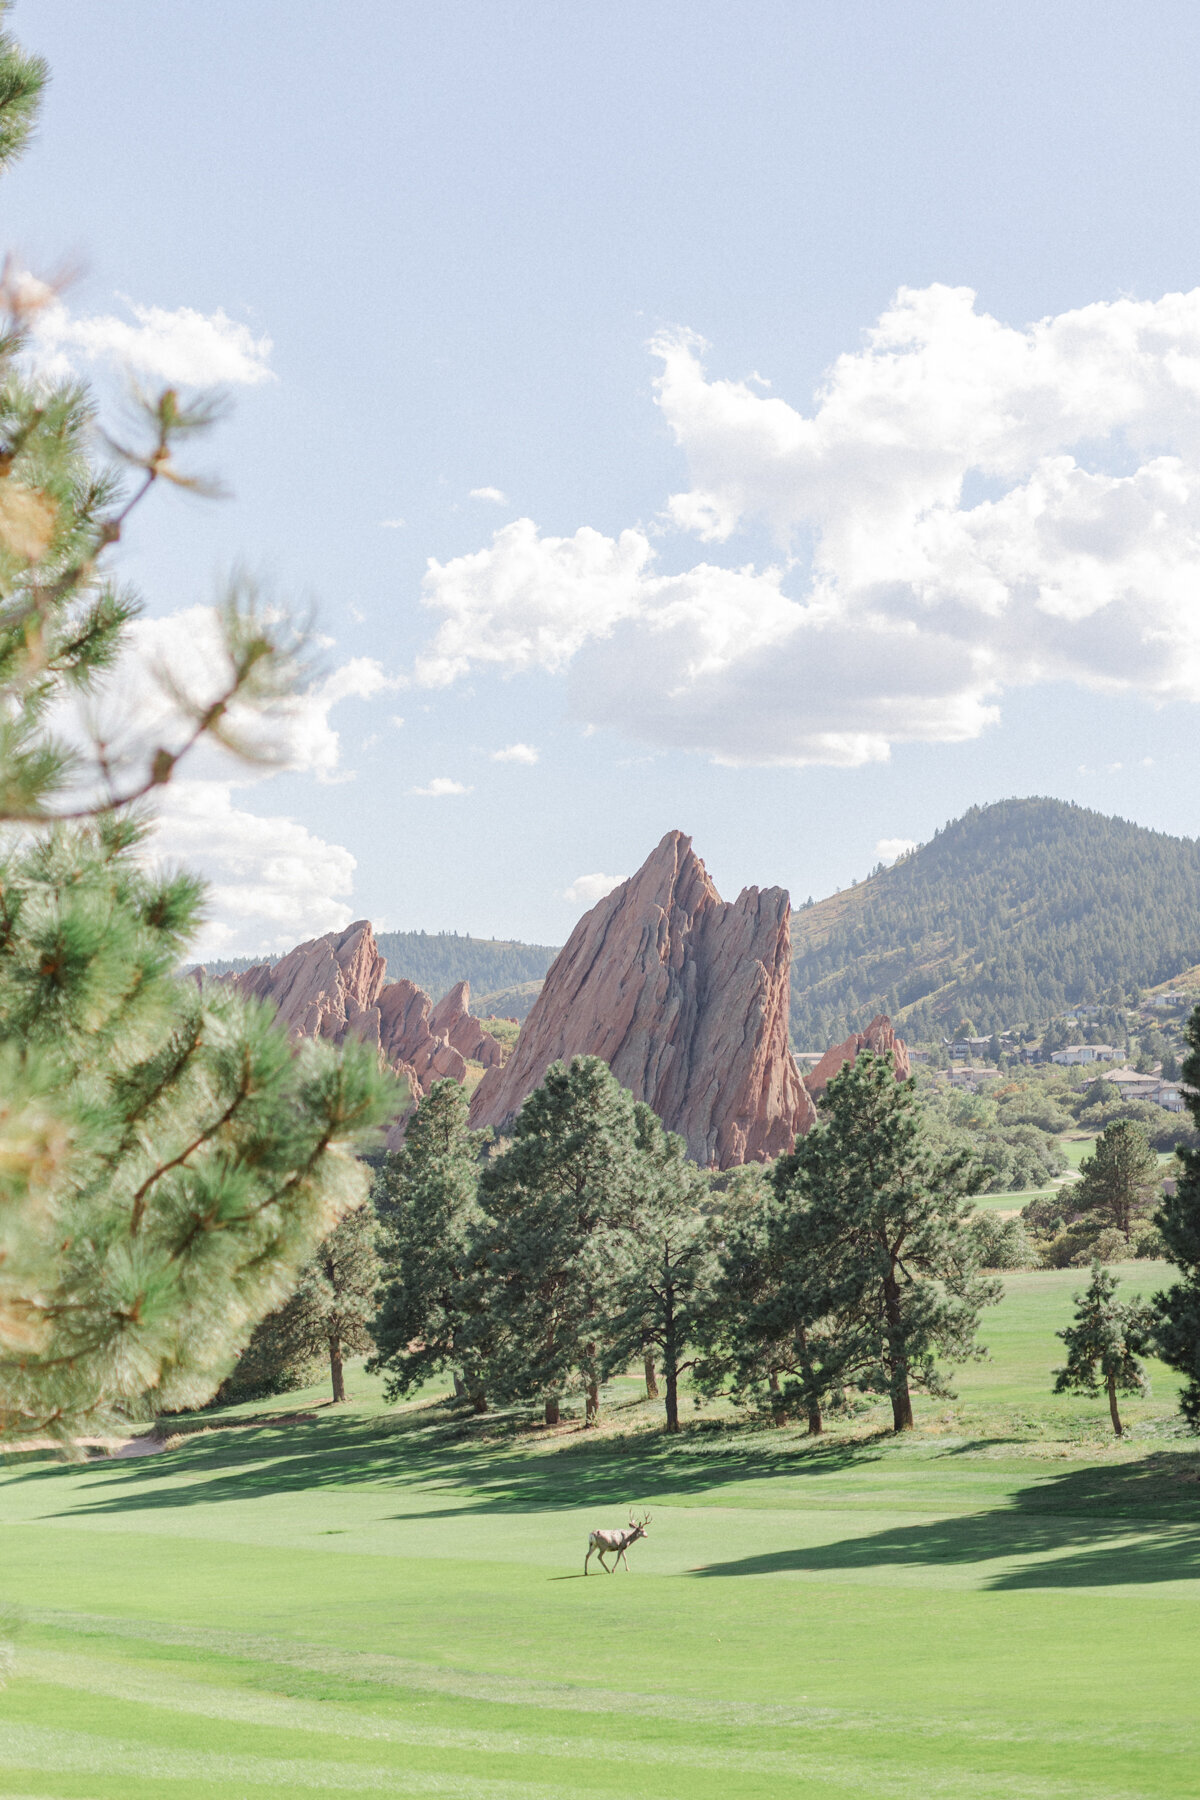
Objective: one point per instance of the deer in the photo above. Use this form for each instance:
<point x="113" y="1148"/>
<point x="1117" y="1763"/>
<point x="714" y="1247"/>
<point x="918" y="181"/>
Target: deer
<point x="607" y="1542"/>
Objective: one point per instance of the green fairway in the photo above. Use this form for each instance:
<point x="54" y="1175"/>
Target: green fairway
<point x="366" y="1601"/>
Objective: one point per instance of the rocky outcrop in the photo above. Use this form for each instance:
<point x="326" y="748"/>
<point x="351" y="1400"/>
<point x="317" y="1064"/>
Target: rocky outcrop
<point x="685" y="996"/>
<point x="878" y="1036"/>
<point x="336" y="986"/>
<point x="451" y="1018"/>
<point x="324" y="988"/>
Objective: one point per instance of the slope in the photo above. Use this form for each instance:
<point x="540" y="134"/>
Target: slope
<point x="1009" y="915"/>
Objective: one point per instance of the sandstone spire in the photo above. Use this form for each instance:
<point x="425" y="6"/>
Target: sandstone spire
<point x="685" y="996"/>
<point x="878" y="1036"/>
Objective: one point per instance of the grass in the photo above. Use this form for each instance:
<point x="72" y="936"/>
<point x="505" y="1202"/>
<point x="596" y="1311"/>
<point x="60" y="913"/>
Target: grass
<point x="1003" y="1605"/>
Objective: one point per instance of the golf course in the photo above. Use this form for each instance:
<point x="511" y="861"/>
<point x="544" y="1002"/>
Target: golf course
<point x="292" y="1597"/>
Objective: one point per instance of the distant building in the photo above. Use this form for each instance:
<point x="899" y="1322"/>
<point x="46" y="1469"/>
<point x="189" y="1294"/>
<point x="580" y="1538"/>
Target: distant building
<point x="965" y="1047"/>
<point x="1085" y="1053"/>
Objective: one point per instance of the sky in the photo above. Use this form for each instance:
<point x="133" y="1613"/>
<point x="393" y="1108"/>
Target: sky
<point x="777" y="422"/>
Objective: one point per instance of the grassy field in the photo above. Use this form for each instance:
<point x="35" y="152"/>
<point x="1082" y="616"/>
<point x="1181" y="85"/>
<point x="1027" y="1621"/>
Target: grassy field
<point x="391" y="1602"/>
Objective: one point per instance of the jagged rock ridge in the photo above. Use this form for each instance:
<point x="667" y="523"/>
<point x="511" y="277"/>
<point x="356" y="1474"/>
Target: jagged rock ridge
<point x="336" y="986"/>
<point x="685" y="996"/>
<point x="878" y="1036"/>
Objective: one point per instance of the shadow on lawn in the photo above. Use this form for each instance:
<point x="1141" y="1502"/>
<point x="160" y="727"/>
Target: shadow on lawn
<point x="337" y="1453"/>
<point x="1096" y="1527"/>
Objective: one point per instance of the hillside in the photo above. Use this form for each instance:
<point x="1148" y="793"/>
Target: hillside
<point x="1009" y="915"/>
<point x="437" y="960"/>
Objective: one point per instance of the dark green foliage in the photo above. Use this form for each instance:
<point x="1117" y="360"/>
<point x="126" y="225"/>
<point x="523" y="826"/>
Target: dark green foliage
<point x="667" y="1263"/>
<point x="1010" y="915"/>
<point x="167" y="1164"/>
<point x="1118" y="1182"/>
<point x="557" y="1202"/>
<point x="432" y="1293"/>
<point x="1105" y="1344"/>
<point x="1178" y="1223"/>
<point x="1001" y="1243"/>
<point x="883" y="1240"/>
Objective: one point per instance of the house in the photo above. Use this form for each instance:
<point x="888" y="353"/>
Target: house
<point x="966" y="1047"/>
<point x="1085" y="1053"/>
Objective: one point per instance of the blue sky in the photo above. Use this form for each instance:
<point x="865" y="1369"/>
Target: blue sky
<point x="817" y="606"/>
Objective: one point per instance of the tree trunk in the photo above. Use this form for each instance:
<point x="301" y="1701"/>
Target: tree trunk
<point x="552" y="1410"/>
<point x="651" y="1377"/>
<point x="479" y="1401"/>
<point x="1112" y="1401"/>
<point x="335" y="1368"/>
<point x="591" y="1411"/>
<point x="670" y="1350"/>
<point x="816" y="1424"/>
<point x="902" y="1412"/>
<point x="460" y="1388"/>
<point x="778" y="1411"/>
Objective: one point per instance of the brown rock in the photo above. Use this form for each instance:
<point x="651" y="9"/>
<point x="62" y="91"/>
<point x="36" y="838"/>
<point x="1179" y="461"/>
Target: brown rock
<point x="451" y="1018"/>
<point x="406" y="1036"/>
<point x="878" y="1036"/>
<point x="323" y="988"/>
<point x="685" y="996"/>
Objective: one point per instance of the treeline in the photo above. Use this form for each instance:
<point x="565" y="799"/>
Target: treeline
<point x="436" y="961"/>
<point x="540" y="1267"/>
<point x="1010" y="915"/>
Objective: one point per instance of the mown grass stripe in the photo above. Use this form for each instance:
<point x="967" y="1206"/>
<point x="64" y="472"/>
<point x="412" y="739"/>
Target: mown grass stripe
<point x="379" y="1669"/>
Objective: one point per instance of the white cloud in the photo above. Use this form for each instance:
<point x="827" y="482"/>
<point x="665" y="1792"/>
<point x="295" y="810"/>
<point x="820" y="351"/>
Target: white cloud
<point x="490" y="493"/>
<point x="585" y="890"/>
<point x="888" y="849"/>
<point x="273" y="883"/>
<point x="966" y="508"/>
<point x="392" y="524"/>
<point x="440" y="788"/>
<point x="186" y="648"/>
<point x="516" y="753"/>
<point x="191" y="348"/>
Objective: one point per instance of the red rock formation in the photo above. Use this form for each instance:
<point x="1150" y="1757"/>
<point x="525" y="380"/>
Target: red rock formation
<point x="324" y="988"/>
<point x="878" y="1036"/>
<point x="685" y="996"/>
<point x="335" y="986"/>
<point x="451" y="1018"/>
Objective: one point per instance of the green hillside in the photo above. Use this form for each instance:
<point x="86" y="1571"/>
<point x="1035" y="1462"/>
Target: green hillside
<point x="436" y="960"/>
<point x="1008" y="916"/>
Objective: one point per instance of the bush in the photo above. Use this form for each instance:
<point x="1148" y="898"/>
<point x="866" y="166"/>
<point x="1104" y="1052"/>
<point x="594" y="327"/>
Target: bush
<point x="1001" y="1243"/>
<point x="1108" y="1246"/>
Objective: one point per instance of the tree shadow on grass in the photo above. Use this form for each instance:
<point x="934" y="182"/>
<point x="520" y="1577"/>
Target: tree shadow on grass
<point x="1095" y="1527"/>
<point x="336" y="1454"/>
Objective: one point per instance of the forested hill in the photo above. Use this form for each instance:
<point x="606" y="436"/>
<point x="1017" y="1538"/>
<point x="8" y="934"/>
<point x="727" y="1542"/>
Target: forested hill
<point x="436" y="960"/>
<point x="1011" y="914"/>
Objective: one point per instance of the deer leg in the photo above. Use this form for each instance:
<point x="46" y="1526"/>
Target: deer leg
<point x="587" y="1559"/>
<point x="622" y="1559"/>
<point x="601" y="1561"/>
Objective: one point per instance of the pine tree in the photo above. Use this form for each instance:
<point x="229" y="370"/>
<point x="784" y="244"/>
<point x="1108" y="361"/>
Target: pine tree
<point x="1116" y="1183"/>
<point x="886" y="1207"/>
<point x="666" y="1264"/>
<point x="1178" y="1221"/>
<point x="432" y="1296"/>
<point x="557" y="1202"/>
<point x="167" y="1164"/>
<point x="1105" y="1344"/>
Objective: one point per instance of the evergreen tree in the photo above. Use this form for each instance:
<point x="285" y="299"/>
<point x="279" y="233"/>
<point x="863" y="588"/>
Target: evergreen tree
<point x="557" y="1202"/>
<point x="432" y="1296"/>
<point x="885" y="1208"/>
<point x="1105" y="1343"/>
<point x="667" y="1262"/>
<point x="1178" y="1221"/>
<point x="167" y="1164"/>
<point x="1117" y="1182"/>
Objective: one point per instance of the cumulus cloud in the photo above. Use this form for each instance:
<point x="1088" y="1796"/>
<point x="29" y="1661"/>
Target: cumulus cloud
<point x="191" y="348"/>
<point x="888" y="849"/>
<point x="490" y="493"/>
<point x="516" y="753"/>
<point x="965" y="508"/>
<point x="442" y="787"/>
<point x="585" y="890"/>
<point x="273" y="882"/>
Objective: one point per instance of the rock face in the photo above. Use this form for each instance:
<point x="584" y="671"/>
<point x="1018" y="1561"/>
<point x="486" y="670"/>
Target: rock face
<point x="878" y="1036"/>
<point x="336" y="986"/>
<point x="685" y="996"/>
